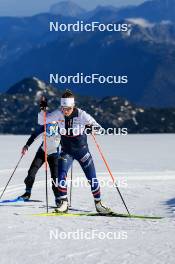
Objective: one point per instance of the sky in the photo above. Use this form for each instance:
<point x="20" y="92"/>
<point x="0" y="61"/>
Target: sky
<point x="31" y="7"/>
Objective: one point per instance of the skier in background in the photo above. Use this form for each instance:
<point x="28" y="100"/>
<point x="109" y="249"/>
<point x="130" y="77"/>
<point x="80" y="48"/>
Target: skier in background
<point x="74" y="146"/>
<point x="53" y="142"/>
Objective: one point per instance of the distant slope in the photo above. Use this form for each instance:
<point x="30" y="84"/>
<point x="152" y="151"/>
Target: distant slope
<point x="152" y="10"/>
<point x="19" y="35"/>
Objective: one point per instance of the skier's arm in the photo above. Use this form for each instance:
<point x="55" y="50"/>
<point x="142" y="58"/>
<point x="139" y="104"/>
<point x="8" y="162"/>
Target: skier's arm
<point x="39" y="130"/>
<point x="50" y="117"/>
<point x="91" y="123"/>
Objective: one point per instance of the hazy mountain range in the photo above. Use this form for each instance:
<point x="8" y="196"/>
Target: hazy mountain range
<point x="152" y="10"/>
<point x="146" y="54"/>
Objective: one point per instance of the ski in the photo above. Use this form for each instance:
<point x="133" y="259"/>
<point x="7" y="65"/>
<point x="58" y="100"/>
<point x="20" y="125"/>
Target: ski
<point x="18" y="199"/>
<point x="112" y="214"/>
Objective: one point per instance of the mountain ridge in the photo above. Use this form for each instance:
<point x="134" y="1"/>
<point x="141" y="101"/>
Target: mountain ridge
<point x="144" y="54"/>
<point x="20" y="105"/>
<point x="149" y="48"/>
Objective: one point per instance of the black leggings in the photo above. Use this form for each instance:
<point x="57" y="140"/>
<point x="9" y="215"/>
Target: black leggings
<point x="36" y="165"/>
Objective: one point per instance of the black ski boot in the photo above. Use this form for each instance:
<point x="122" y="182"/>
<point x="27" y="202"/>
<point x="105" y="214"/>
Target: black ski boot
<point x="25" y="196"/>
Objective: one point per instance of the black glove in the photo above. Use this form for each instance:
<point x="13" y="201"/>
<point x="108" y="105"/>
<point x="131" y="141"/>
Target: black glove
<point x="43" y="103"/>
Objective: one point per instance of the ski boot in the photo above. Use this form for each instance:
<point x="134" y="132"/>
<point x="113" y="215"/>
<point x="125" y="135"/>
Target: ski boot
<point x="25" y="196"/>
<point x="101" y="209"/>
<point x="57" y="201"/>
<point x="62" y="206"/>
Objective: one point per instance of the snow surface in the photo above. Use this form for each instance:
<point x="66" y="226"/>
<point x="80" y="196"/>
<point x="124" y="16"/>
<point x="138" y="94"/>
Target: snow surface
<point x="145" y="168"/>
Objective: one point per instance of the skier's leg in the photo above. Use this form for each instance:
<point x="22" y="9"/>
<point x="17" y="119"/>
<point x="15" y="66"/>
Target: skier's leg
<point x="35" y="166"/>
<point x="53" y="164"/>
<point x="87" y="164"/>
<point x="64" y="163"/>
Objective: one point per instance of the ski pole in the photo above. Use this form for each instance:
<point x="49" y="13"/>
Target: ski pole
<point x="71" y="178"/>
<point x="45" y="156"/>
<point x="11" y="176"/>
<point x="110" y="172"/>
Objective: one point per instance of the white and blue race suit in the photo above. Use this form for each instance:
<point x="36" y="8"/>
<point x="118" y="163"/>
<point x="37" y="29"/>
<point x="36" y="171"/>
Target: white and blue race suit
<point x="74" y="147"/>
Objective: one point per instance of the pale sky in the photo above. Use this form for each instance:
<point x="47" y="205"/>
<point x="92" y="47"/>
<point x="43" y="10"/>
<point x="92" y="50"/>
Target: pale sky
<point x="30" y="7"/>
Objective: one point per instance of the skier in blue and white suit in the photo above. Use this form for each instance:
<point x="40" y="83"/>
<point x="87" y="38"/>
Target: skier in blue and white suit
<point x="72" y="123"/>
<point x="53" y="149"/>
